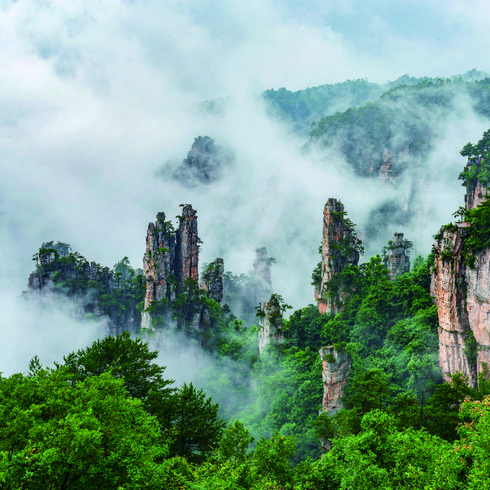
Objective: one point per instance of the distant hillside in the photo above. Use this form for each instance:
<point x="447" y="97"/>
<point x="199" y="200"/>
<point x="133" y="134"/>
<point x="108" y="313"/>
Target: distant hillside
<point x="303" y="107"/>
<point x="404" y="120"/>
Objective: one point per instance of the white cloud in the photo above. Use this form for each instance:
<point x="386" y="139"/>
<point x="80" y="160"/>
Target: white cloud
<point x="95" y="97"/>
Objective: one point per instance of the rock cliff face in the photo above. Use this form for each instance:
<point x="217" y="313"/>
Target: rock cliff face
<point x="171" y="258"/>
<point x="462" y="294"/>
<point x="397" y="256"/>
<point x="336" y="369"/>
<point x="262" y="275"/>
<point x="271" y="324"/>
<point x="212" y="281"/>
<point x="339" y="249"/>
<point x="449" y="287"/>
<point x="187" y="246"/>
<point x="159" y="261"/>
<point x="389" y="164"/>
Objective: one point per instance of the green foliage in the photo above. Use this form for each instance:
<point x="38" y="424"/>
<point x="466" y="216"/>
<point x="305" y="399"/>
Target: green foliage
<point x="474" y="447"/>
<point x="395" y="121"/>
<point x="116" y="293"/>
<point x="381" y="456"/>
<point x="443" y="407"/>
<point x="57" y="433"/>
<point x="192" y="419"/>
<point x="478" y="168"/>
<point x="271" y="458"/>
<point x="478" y="236"/>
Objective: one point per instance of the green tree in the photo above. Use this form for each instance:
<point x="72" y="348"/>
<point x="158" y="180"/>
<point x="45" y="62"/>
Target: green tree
<point x="56" y="433"/>
<point x="192" y="419"/>
<point x="474" y="446"/>
<point x="127" y="358"/>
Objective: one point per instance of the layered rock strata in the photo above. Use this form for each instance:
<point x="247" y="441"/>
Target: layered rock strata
<point x="271" y="324"/>
<point x="339" y="249"/>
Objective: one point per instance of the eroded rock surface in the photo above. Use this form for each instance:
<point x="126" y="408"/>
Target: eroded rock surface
<point x="171" y="258"/>
<point x="336" y="369"/>
<point x="397" y="259"/>
<point x="271" y="324"/>
<point x="262" y="275"/>
<point x="449" y="288"/>
<point x="339" y="249"/>
<point x="212" y="281"/>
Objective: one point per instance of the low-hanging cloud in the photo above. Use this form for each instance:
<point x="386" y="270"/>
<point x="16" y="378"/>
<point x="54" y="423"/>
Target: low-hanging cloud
<point x="94" y="100"/>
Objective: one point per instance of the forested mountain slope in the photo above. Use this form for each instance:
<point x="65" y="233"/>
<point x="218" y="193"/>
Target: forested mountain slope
<point x="344" y="393"/>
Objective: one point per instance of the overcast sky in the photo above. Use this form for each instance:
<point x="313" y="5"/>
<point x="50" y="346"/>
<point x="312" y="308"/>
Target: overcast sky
<point x="96" y="96"/>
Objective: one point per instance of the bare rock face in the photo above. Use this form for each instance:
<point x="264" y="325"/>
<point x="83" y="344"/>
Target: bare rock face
<point x="212" y="281"/>
<point x="262" y="275"/>
<point x="462" y="294"/>
<point x="478" y="305"/>
<point x="271" y="324"/>
<point x="449" y="287"/>
<point x="339" y="249"/>
<point x="397" y="259"/>
<point x="336" y="369"/>
<point x="187" y="245"/>
<point x="172" y="257"/>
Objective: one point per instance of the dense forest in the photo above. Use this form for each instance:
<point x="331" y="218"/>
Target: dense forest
<point x="107" y="417"/>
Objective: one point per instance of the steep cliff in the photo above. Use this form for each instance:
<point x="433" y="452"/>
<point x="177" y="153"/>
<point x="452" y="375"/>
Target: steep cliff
<point x="187" y="246"/>
<point x="159" y="265"/>
<point x="449" y="288"/>
<point x="262" y="276"/>
<point x="171" y="266"/>
<point x="396" y="255"/>
<point x="336" y="369"/>
<point x="271" y="323"/>
<point x="461" y="278"/>
<point x="340" y="248"/>
<point x="212" y="281"/>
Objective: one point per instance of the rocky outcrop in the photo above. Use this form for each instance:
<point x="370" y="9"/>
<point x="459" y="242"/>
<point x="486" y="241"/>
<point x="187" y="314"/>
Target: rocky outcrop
<point x="171" y="259"/>
<point x="449" y="288"/>
<point x="212" y="281"/>
<point x="475" y="190"/>
<point x="396" y="256"/>
<point x="478" y="305"/>
<point x="88" y="286"/>
<point x="187" y="246"/>
<point x="389" y="164"/>
<point x="340" y="247"/>
<point x="336" y="369"/>
<point x="262" y="276"/>
<point x="159" y="261"/>
<point x="271" y="323"/>
<point x="462" y="292"/>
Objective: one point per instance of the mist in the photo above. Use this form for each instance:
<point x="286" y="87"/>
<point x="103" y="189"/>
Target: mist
<point x="95" y="100"/>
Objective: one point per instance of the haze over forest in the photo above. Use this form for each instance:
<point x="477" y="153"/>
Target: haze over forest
<point x="96" y="100"/>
